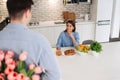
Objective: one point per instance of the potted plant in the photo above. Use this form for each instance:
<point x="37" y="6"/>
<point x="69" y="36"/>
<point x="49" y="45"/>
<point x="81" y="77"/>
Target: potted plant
<point x="95" y="47"/>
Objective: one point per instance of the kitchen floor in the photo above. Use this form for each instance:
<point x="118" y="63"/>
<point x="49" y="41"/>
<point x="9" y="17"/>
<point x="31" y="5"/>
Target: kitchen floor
<point x="106" y="66"/>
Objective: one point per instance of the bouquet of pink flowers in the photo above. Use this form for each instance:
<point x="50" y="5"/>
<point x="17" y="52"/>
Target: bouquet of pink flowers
<point x="15" y="69"/>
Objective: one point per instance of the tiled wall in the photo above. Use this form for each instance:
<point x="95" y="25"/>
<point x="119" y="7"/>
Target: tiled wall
<point x="50" y="10"/>
<point x="3" y="10"/>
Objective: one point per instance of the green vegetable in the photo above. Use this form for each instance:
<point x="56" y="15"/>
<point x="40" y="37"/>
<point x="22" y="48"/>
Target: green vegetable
<point x="96" y="46"/>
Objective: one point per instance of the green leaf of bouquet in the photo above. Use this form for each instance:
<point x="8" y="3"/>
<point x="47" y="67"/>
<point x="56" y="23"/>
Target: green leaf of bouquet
<point x="30" y="73"/>
<point x="21" y="65"/>
<point x="3" y="67"/>
<point x="23" y="71"/>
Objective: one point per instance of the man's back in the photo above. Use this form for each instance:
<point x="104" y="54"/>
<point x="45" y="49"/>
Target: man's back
<point x="19" y="38"/>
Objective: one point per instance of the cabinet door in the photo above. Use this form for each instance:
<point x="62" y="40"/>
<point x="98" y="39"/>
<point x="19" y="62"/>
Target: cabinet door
<point x="48" y="32"/>
<point x="86" y="31"/>
<point x="115" y="30"/>
<point x="79" y="29"/>
<point x="58" y="30"/>
<point x="104" y="9"/>
<point x="89" y="31"/>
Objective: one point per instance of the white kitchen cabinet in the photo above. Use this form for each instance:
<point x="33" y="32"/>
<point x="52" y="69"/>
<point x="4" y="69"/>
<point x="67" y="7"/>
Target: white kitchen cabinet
<point x="52" y="33"/>
<point x="101" y="11"/>
<point x="48" y="32"/>
<point x="115" y="30"/>
<point x="58" y="30"/>
<point x="86" y="31"/>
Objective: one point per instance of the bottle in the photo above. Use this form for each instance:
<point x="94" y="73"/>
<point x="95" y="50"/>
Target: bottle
<point x="64" y="2"/>
<point x="86" y="17"/>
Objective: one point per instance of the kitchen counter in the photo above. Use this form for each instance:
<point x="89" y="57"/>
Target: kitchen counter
<point x="103" y="67"/>
<point x="52" y="24"/>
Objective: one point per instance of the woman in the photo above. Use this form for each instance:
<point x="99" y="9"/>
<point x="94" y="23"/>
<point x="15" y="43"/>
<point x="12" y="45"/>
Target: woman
<point x="69" y="37"/>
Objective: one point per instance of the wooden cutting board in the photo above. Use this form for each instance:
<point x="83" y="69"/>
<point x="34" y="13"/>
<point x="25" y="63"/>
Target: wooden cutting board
<point x="68" y="15"/>
<point x="71" y="16"/>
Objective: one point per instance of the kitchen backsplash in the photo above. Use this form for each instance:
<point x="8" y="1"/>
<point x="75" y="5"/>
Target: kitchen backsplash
<point x="50" y="10"/>
<point x="3" y="10"/>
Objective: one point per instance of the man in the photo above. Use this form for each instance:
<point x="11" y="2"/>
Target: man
<point x="17" y="37"/>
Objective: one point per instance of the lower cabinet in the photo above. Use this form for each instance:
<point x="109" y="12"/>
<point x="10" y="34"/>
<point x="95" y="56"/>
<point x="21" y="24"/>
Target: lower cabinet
<point x="48" y="32"/>
<point x="51" y="33"/>
<point x="58" y="30"/>
<point x="86" y="31"/>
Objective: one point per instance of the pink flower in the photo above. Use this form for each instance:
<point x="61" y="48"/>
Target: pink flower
<point x="38" y="70"/>
<point x="1" y="76"/>
<point x="23" y="56"/>
<point x="26" y="78"/>
<point x="7" y="57"/>
<point x="11" y="65"/>
<point x="35" y="77"/>
<point x="1" y="55"/>
<point x="8" y="71"/>
<point x="9" y="60"/>
<point x="10" y="54"/>
<point x="12" y="76"/>
<point x="20" y="77"/>
<point x="16" y="63"/>
<point x="31" y="66"/>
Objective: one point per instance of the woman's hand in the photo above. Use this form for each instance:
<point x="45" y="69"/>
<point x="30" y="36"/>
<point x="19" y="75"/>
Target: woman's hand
<point x="72" y="37"/>
<point x="70" y="34"/>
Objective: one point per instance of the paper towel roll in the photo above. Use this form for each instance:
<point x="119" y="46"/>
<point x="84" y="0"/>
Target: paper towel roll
<point x="86" y="17"/>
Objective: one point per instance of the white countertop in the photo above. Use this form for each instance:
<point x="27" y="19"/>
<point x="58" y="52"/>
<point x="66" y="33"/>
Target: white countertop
<point x="52" y="24"/>
<point x="106" y="66"/>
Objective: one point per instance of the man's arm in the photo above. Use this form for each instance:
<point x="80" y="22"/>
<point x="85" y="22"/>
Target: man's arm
<point x="49" y="62"/>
